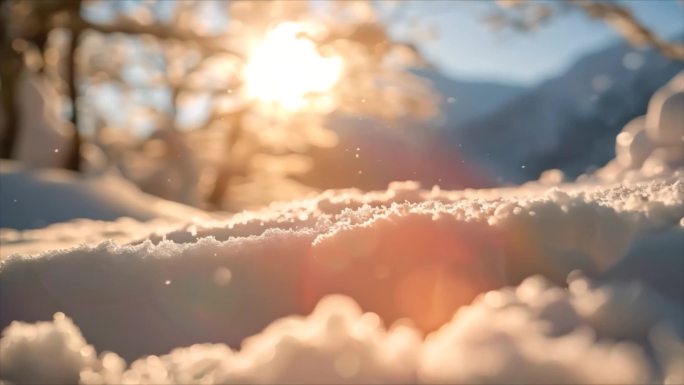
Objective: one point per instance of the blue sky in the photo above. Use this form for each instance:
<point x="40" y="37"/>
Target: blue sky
<point x="468" y="48"/>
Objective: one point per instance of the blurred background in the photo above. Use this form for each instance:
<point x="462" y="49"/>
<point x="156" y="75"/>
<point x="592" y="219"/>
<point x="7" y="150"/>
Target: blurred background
<point x="232" y="105"/>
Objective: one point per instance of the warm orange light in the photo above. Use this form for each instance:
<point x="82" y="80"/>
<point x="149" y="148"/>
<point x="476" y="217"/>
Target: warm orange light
<point x="423" y="269"/>
<point x="285" y="68"/>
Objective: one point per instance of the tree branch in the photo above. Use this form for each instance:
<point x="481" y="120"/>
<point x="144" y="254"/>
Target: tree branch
<point x="210" y="44"/>
<point x="623" y="21"/>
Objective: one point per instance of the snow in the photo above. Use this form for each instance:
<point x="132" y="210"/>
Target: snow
<point x="78" y="231"/>
<point x="665" y="113"/>
<point x="547" y="282"/>
<point x="653" y="144"/>
<point x="36" y="198"/>
<point x="535" y="333"/>
<point x="527" y="335"/>
<point x="400" y="253"/>
<point x="46" y="352"/>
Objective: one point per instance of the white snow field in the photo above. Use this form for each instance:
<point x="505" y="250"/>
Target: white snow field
<point x="575" y="283"/>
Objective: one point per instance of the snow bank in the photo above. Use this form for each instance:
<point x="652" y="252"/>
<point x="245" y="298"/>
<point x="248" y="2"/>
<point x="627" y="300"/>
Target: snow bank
<point x="533" y="333"/>
<point x="404" y="253"/>
<point x="653" y="144"/>
<point x="46" y="352"/>
<point x="80" y="231"/>
<point x="31" y="199"/>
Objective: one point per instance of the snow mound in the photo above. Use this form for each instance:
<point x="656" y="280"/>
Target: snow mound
<point x="401" y="253"/>
<point x="45" y="352"/>
<point x="653" y="144"/>
<point x="79" y="231"/>
<point x="533" y="333"/>
<point x="33" y="199"/>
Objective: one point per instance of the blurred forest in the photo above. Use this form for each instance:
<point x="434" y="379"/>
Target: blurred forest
<point x="186" y="99"/>
<point x="157" y="89"/>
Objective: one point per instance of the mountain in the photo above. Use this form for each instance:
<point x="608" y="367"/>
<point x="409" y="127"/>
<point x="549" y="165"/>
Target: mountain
<point x="372" y="153"/>
<point x="466" y="100"/>
<point x="568" y="122"/>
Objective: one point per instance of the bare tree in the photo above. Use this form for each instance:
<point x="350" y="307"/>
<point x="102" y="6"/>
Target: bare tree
<point x="179" y="52"/>
<point x="524" y="15"/>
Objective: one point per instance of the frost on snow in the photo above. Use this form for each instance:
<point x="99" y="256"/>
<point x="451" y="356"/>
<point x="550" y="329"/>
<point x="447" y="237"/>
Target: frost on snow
<point x="542" y="283"/>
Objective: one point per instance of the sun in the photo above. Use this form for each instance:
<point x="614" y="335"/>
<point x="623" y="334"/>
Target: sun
<point x="285" y="69"/>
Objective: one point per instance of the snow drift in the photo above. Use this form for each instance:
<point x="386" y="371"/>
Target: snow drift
<point x="535" y="333"/>
<point x="33" y="199"/>
<point x="542" y="283"/>
<point x="403" y="254"/>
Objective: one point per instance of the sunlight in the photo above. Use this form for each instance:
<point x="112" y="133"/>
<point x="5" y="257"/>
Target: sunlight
<point x="285" y="69"/>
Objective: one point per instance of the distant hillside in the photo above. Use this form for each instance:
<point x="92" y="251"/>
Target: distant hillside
<point x="469" y="99"/>
<point x="568" y="122"/>
<point x="408" y="149"/>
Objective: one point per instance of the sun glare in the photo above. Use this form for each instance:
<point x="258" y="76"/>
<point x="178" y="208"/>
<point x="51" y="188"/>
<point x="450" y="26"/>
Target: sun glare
<point x="285" y="69"/>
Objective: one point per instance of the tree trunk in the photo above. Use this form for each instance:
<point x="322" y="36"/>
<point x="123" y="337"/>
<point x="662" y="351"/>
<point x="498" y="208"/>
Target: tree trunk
<point x="219" y="192"/>
<point x="226" y="171"/>
<point x="10" y="72"/>
<point x="74" y="158"/>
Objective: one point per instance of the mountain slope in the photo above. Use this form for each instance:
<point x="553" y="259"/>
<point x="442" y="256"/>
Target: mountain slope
<point x="465" y="100"/>
<point x="568" y="122"/>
